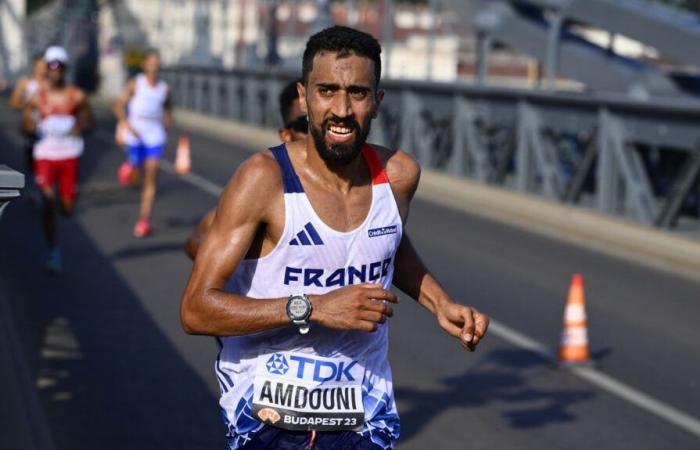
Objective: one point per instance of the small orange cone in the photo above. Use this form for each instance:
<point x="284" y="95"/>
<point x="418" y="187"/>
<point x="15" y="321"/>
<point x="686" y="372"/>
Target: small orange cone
<point x="573" y="348"/>
<point x="183" y="164"/>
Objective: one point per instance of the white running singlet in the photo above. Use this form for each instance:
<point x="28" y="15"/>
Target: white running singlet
<point x="327" y="378"/>
<point x="146" y="112"/>
<point x="56" y="140"/>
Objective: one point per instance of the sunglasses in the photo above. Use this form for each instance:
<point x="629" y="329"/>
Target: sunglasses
<point x="55" y="65"/>
<point x="300" y="124"/>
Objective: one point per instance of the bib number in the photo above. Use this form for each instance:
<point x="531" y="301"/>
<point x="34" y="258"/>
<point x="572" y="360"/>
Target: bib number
<point x="298" y="392"/>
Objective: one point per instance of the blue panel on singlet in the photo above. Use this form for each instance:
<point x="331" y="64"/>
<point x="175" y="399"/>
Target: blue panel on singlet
<point x="292" y="184"/>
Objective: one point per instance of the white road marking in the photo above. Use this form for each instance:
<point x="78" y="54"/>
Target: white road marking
<point x="603" y="381"/>
<point x="194" y="179"/>
<point x="611" y="385"/>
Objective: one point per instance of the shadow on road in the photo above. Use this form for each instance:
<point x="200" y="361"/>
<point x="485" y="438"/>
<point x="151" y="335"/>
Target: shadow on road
<point x="144" y="250"/>
<point x="500" y="379"/>
<point x="106" y="374"/>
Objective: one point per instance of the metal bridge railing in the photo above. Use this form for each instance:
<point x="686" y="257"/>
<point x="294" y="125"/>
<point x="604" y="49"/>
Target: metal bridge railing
<point x="639" y="159"/>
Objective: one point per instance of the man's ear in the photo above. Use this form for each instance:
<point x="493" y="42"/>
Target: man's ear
<point x="301" y="92"/>
<point x="285" y="135"/>
<point x="377" y="103"/>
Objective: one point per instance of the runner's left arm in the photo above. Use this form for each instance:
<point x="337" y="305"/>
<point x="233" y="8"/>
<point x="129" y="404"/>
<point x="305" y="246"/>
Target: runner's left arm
<point x="168" y="111"/>
<point x="197" y="237"/>
<point x="85" y="119"/>
<point x="411" y="275"/>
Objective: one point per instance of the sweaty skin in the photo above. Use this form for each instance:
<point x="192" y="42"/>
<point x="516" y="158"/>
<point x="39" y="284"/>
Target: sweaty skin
<point x="286" y="135"/>
<point x="337" y="89"/>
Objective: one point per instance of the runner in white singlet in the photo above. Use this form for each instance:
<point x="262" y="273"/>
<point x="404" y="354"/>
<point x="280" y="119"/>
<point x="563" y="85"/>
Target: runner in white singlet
<point x="309" y="236"/>
<point x="24" y="90"/>
<point x="144" y="112"/>
<point x="58" y="114"/>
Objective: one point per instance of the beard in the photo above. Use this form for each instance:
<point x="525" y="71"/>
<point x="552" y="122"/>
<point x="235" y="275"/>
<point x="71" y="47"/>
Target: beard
<point x="339" y="154"/>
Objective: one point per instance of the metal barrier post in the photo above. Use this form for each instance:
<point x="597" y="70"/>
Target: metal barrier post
<point x="11" y="182"/>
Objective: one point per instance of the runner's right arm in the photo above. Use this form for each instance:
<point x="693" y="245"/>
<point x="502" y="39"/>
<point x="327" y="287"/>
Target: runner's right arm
<point x="120" y="106"/>
<point x="253" y="198"/>
<point x="29" y="124"/>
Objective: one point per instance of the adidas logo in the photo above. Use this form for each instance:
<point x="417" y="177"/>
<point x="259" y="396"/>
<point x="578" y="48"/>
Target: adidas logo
<point x="307" y="236"/>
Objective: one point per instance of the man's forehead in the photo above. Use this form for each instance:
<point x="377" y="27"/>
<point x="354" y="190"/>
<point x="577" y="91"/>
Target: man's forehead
<point x="344" y="65"/>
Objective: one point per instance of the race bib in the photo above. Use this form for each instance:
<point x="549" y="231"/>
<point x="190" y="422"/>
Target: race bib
<point x="298" y="391"/>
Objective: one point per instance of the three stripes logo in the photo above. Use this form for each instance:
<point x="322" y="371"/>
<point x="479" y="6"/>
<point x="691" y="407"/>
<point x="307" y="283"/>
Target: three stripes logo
<point x="307" y="236"/>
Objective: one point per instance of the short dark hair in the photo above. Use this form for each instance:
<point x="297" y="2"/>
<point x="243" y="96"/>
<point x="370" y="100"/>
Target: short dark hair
<point x="287" y="97"/>
<point x="151" y="51"/>
<point x="344" y="41"/>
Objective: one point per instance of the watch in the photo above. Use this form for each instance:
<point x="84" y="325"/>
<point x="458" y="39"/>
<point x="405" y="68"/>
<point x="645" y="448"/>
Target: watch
<point x="299" y="310"/>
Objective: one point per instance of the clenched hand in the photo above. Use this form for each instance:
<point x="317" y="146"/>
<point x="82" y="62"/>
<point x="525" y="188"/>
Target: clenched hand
<point x="358" y="307"/>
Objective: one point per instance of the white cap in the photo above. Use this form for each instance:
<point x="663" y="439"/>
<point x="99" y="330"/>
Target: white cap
<point x="56" y="53"/>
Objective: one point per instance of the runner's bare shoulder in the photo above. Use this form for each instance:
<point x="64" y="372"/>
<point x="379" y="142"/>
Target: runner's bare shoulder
<point x="401" y="168"/>
<point x="255" y="185"/>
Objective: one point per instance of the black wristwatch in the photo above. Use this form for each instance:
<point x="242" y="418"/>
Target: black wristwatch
<point x="299" y="310"/>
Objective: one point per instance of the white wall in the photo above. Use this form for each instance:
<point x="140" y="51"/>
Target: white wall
<point x="12" y="49"/>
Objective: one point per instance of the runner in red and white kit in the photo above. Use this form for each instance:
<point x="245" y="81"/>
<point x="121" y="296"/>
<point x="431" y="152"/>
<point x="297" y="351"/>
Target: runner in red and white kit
<point x="59" y="113"/>
<point x="24" y="90"/>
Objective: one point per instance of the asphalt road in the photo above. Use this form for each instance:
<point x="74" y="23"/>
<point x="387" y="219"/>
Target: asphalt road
<point x="115" y="371"/>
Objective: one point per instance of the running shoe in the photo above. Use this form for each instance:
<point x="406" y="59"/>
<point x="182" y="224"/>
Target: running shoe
<point x="53" y="262"/>
<point x="143" y="228"/>
<point x="124" y="174"/>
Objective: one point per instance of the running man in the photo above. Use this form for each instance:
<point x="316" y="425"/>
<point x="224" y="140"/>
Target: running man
<point x="312" y="233"/>
<point x="59" y="114"/>
<point x="25" y="89"/>
<point x="295" y="126"/>
<point x="147" y="99"/>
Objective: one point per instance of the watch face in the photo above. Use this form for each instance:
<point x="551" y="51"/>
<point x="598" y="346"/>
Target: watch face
<point x="297" y="308"/>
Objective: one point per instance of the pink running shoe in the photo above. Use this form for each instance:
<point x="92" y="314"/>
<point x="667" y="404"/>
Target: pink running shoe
<point x="143" y="228"/>
<point x="124" y="174"/>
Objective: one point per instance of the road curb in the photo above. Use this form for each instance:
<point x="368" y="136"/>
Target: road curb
<point x="611" y="235"/>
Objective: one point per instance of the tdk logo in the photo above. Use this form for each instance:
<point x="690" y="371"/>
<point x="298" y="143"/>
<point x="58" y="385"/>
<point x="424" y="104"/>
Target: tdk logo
<point x="277" y="364"/>
<point x="340" y="277"/>
<point x="307" y="236"/>
<point x="318" y="370"/>
<point x="374" y="232"/>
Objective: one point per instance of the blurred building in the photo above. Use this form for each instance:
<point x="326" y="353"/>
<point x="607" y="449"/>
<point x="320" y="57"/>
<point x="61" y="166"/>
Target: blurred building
<point x="237" y="33"/>
<point x="13" y="53"/>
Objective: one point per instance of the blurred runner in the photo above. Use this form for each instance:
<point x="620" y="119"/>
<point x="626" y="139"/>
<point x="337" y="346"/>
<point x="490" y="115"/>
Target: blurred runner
<point x="144" y="112"/>
<point x="295" y="127"/>
<point x="59" y="114"/>
<point x="311" y="236"/>
<point x="25" y="89"/>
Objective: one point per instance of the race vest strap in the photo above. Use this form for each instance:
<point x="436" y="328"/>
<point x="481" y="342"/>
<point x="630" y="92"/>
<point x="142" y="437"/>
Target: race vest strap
<point x="376" y="168"/>
<point x="292" y="184"/>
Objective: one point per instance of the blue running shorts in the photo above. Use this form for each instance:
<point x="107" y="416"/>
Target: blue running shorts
<point x="138" y="154"/>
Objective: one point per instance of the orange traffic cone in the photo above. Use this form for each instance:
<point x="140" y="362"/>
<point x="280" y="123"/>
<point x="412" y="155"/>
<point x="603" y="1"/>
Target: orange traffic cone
<point x="573" y="348"/>
<point x="183" y="164"/>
